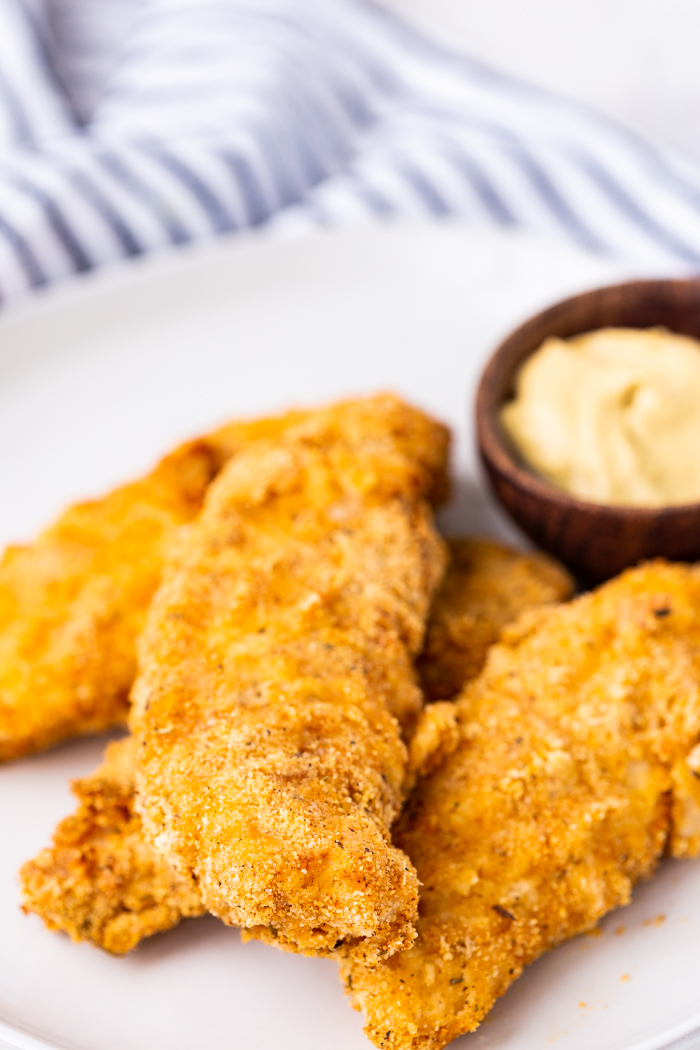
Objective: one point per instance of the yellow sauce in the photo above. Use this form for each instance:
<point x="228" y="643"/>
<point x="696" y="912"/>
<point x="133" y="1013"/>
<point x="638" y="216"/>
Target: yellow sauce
<point x="612" y="416"/>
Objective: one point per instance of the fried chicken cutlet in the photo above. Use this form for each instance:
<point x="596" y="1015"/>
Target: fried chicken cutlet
<point x="571" y="765"/>
<point x="487" y="586"/>
<point x="276" y="676"/>
<point x="84" y="884"/>
<point x="102" y="881"/>
<point x="73" y="603"/>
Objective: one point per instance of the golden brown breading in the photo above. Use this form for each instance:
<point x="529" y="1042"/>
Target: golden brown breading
<point x="73" y="603"/>
<point x="571" y="772"/>
<point x="486" y="586"/>
<point x="101" y="881"/>
<point x="90" y="886"/>
<point x="52" y="894"/>
<point x="276" y="675"/>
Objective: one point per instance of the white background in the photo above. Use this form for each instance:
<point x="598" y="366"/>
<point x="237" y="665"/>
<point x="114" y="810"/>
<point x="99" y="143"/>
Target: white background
<point x="636" y="60"/>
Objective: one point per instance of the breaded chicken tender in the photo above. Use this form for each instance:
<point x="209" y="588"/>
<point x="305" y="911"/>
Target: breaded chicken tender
<point x="51" y="887"/>
<point x="73" y="603"/>
<point x="276" y="676"/>
<point x="568" y="767"/>
<point x="486" y="587"/>
<point x="102" y="881"/>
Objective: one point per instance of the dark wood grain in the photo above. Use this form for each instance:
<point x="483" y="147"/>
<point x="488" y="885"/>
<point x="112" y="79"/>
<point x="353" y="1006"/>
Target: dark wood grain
<point x="592" y="540"/>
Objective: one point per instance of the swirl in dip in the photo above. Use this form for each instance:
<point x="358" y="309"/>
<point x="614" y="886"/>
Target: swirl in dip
<point x="612" y="416"/>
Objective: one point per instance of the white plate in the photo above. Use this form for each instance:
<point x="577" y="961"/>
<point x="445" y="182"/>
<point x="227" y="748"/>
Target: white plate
<point x="95" y="381"/>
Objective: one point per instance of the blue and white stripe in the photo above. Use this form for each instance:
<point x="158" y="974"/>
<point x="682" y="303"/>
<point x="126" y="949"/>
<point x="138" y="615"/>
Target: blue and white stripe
<point x="211" y="116"/>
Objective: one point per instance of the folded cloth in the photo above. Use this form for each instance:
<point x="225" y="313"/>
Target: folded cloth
<point x="208" y="116"/>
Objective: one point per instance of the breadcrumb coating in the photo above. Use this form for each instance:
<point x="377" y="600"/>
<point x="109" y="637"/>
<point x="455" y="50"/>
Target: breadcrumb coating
<point x="568" y="767"/>
<point x="73" y="603"/>
<point x="276" y="676"/>
<point x="101" y="881"/>
<point x="486" y="587"/>
<point x="76" y="891"/>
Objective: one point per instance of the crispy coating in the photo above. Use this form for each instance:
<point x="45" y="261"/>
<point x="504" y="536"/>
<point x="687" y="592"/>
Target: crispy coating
<point x="573" y="766"/>
<point x="486" y="587"/>
<point x="52" y="893"/>
<point x="276" y="676"/>
<point x="102" y="881"/>
<point x="73" y="603"/>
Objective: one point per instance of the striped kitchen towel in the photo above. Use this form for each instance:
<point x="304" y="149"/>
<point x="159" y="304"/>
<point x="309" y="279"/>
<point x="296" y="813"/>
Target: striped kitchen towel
<point x="130" y="125"/>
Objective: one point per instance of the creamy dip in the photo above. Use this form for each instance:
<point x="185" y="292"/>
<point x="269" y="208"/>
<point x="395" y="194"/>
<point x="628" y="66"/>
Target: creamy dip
<point x="612" y="416"/>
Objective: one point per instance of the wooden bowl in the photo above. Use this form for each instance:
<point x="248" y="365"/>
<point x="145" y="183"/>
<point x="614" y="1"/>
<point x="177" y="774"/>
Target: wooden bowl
<point x="594" y="541"/>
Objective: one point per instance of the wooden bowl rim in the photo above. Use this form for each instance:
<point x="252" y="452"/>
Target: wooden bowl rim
<point x="494" y="449"/>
